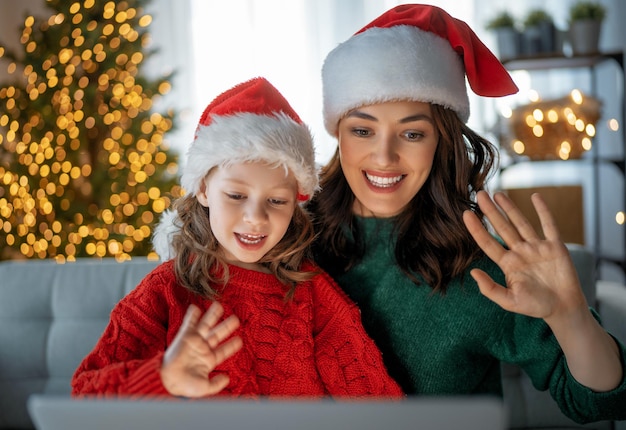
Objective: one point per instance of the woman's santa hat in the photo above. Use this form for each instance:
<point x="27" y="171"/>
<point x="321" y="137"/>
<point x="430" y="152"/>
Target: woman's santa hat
<point x="411" y="52"/>
<point x="249" y="122"/>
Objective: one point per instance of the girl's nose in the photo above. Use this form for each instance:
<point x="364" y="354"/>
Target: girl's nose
<point x="255" y="213"/>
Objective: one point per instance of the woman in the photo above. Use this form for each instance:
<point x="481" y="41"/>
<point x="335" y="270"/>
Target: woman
<point x="399" y="220"/>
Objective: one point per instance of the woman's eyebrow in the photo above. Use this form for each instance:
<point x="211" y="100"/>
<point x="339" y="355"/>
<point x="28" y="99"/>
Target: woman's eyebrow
<point x="362" y="115"/>
<point x="418" y="117"/>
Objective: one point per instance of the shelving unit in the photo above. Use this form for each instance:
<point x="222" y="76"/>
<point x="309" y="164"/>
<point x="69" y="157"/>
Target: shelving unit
<point x="590" y="63"/>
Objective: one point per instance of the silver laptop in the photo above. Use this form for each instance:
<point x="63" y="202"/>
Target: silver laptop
<point x="468" y="413"/>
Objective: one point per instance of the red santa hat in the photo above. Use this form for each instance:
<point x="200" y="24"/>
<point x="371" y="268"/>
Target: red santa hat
<point x="249" y="122"/>
<point x="411" y="52"/>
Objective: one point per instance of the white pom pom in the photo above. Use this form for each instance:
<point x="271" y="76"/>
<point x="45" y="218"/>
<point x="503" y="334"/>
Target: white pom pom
<point x="163" y="232"/>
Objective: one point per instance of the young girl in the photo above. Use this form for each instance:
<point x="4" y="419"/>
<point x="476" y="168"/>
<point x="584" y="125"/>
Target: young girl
<point x="399" y="218"/>
<point x="240" y="309"/>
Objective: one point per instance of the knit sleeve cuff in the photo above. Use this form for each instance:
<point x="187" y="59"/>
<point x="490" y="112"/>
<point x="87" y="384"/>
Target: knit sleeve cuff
<point x="607" y="404"/>
<point x="146" y="379"/>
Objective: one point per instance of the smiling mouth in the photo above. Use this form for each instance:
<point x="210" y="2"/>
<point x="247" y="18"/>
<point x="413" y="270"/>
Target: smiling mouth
<point x="383" y="181"/>
<point x="250" y="239"/>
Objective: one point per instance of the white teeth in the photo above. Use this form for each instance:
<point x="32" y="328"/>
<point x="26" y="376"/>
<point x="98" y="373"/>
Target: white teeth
<point x="250" y="239"/>
<point x="380" y="181"/>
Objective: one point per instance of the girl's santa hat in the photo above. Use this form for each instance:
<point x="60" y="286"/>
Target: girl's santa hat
<point x="411" y="52"/>
<point x="249" y="122"/>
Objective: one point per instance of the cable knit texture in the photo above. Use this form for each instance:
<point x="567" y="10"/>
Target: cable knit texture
<point x="313" y="345"/>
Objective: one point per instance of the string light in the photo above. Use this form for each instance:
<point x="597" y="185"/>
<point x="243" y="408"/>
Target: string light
<point x="555" y="129"/>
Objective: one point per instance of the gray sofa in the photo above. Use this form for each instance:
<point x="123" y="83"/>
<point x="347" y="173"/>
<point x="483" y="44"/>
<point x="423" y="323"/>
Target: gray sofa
<point x="52" y="314"/>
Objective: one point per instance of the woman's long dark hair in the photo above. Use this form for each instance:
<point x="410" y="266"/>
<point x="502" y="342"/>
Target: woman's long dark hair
<point x="432" y="240"/>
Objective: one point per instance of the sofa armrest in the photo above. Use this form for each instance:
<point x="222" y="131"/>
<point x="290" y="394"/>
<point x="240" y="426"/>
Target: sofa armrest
<point x="611" y="304"/>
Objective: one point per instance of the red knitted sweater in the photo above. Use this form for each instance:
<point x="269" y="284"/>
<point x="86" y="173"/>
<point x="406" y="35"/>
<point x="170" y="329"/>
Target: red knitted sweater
<point x="313" y="345"/>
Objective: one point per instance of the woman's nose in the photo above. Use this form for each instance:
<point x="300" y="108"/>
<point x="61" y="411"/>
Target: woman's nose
<point x="385" y="152"/>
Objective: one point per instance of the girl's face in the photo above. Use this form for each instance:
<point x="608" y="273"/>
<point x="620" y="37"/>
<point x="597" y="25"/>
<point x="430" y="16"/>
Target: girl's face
<point x="386" y="152"/>
<point x="250" y="207"/>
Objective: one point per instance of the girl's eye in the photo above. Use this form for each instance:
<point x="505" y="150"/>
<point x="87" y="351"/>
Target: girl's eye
<point x="361" y="132"/>
<point x="277" y="202"/>
<point x="234" y="196"/>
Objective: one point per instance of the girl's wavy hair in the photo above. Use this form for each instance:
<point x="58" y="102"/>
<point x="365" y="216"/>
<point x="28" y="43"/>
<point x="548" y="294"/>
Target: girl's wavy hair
<point x="200" y="266"/>
<point x="432" y="240"/>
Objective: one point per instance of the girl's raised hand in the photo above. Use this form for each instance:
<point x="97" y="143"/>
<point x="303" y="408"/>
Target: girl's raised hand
<point x="541" y="278"/>
<point x="197" y="350"/>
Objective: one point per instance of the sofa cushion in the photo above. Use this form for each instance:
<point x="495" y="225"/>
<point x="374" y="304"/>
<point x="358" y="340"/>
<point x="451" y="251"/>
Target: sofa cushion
<point x="50" y="319"/>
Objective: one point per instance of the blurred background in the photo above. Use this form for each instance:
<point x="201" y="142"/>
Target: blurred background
<point x="203" y="47"/>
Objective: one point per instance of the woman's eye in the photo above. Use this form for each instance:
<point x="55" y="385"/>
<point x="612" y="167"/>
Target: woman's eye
<point x="413" y="135"/>
<point x="361" y="132"/>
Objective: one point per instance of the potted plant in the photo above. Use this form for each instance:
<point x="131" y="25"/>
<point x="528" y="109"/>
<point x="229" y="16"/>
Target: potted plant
<point x="507" y="36"/>
<point x="539" y="35"/>
<point x="585" y="25"/>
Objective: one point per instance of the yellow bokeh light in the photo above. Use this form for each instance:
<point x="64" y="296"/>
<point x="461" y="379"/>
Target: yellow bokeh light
<point x="108" y="29"/>
<point x="141" y="177"/>
<point x="569" y="115"/>
<point x="128" y="209"/>
<point x="114" y="158"/>
<point x="120" y="17"/>
<point x="506" y="111"/>
<point x="145" y="21"/>
<point x="518" y="147"/>
<point x="553" y="116"/>
<point x="579" y="125"/>
<point x="159" y="205"/>
<point x="577" y="96"/>
<point x="90" y="248"/>
<point x="114" y="247"/>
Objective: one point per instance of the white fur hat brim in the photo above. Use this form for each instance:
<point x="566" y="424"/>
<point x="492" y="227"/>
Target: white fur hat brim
<point x="246" y="137"/>
<point x="391" y="64"/>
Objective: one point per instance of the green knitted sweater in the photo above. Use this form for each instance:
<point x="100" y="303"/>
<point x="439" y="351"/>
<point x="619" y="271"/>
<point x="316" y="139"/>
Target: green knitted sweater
<point x="453" y="344"/>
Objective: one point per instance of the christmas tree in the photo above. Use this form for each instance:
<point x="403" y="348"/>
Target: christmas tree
<point x="85" y="170"/>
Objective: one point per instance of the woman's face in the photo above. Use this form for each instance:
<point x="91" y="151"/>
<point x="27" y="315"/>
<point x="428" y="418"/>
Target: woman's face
<point x="250" y="208"/>
<point x="386" y="152"/>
